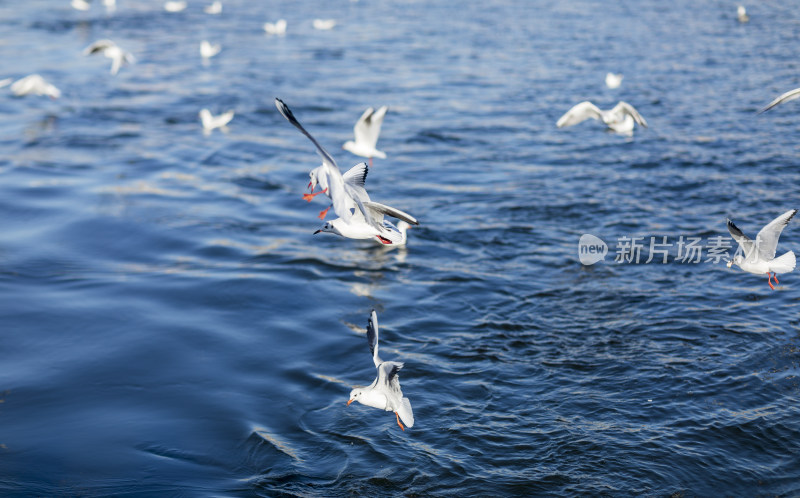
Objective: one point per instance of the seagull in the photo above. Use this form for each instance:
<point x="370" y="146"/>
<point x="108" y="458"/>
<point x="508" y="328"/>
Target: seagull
<point x="207" y="50"/>
<point x="175" y="6"/>
<point x="384" y="393"/>
<point x="620" y="119"/>
<point x="34" y="85"/>
<point x="214" y="8"/>
<point x="80" y="5"/>
<point x="324" y="24"/>
<point x="613" y="80"/>
<point x="759" y="256"/>
<point x="276" y="28"/>
<point x="210" y="121"/>
<point x="366" y="131"/>
<point x="786" y="97"/>
<point x="358" y="216"/>
<point x="354" y="180"/>
<point x="110" y="49"/>
<point x="741" y="14"/>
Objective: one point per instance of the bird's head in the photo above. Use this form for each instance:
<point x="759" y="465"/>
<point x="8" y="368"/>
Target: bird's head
<point x="349" y="145"/>
<point x="355" y="394"/>
<point x="328" y="226"/>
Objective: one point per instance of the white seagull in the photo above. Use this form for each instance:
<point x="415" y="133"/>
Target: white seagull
<point x="741" y="14"/>
<point x="276" y="28"/>
<point x="214" y="8"/>
<point x="207" y="50"/>
<point x="34" y="85"/>
<point x="786" y="97"/>
<point x="366" y="132"/>
<point x="358" y="216"/>
<point x="324" y="24"/>
<point x="384" y="393"/>
<point x="620" y="119"/>
<point x="613" y="80"/>
<point x="759" y="255"/>
<point x="110" y="49"/>
<point x="175" y="6"/>
<point x="210" y="121"/>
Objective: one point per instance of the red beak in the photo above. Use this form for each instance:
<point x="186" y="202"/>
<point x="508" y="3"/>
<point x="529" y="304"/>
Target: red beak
<point x="348" y="403"/>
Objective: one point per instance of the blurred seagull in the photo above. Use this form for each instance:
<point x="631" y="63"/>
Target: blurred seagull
<point x="366" y="131"/>
<point x="786" y="97"/>
<point x="175" y="6"/>
<point x="384" y="393"/>
<point x="276" y="28"/>
<point x="110" y="49"/>
<point x="84" y="5"/>
<point x="358" y="216"/>
<point x="214" y="8"/>
<point x="759" y="256"/>
<point x="324" y="24"/>
<point x="34" y="85"/>
<point x="210" y="121"/>
<point x="613" y="80"/>
<point x="620" y="119"/>
<point x="207" y="50"/>
<point x="741" y="14"/>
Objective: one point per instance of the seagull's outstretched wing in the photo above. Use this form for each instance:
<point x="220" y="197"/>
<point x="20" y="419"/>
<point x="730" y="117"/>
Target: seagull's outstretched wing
<point x="626" y="108"/>
<point x="372" y="337"/>
<point x="368" y="126"/>
<point x="98" y="46"/>
<point x="336" y="191"/>
<point x="382" y="209"/>
<point x="405" y="412"/>
<point x="786" y="97"/>
<point x="578" y="113"/>
<point x="743" y="240"/>
<point x="767" y="238"/>
<point x="357" y="175"/>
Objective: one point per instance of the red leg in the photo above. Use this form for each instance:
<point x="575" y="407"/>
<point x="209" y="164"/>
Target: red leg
<point x="398" y="421"/>
<point x="769" y="281"/>
<point x="370" y="162"/>
<point x="775" y="277"/>
<point x="323" y="213"/>
<point x="308" y="197"/>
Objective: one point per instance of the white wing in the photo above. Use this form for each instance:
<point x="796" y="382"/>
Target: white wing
<point x="767" y="238"/>
<point x="368" y="126"/>
<point x="342" y="203"/>
<point x="377" y="210"/>
<point x="626" y="108"/>
<point x="786" y="97"/>
<point x="405" y="412"/>
<point x="579" y="113"/>
<point x="372" y="337"/>
<point x="743" y="240"/>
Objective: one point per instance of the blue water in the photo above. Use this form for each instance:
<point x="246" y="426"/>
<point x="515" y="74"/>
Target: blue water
<point x="170" y="325"/>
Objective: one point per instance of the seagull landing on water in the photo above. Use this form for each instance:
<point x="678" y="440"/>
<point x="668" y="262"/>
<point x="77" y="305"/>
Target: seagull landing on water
<point x="34" y="84"/>
<point x="366" y="132"/>
<point x="110" y="49"/>
<point x="613" y="80"/>
<point x="276" y="28"/>
<point x="786" y="97"/>
<point x="384" y="393"/>
<point x="358" y="216"/>
<point x="741" y="14"/>
<point x="207" y="50"/>
<point x="210" y="121"/>
<point x="214" y="8"/>
<point x="759" y="255"/>
<point x="620" y="119"/>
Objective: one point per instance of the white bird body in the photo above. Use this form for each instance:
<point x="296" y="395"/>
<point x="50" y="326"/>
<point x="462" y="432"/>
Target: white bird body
<point x="34" y="84"/>
<point x="80" y="5"/>
<point x="175" y="6"/>
<point x="214" y="8"/>
<point x="276" y="28"/>
<point x="786" y="97"/>
<point x="384" y="393"/>
<point x="620" y="118"/>
<point x="741" y="14"/>
<point x="366" y="132"/>
<point x="759" y="255"/>
<point x="210" y="121"/>
<point x="324" y="24"/>
<point x="359" y="217"/>
<point x="110" y="49"/>
<point x="207" y="50"/>
<point x="613" y="80"/>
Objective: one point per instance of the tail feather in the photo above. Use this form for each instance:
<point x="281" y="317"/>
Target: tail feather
<point x="783" y="264"/>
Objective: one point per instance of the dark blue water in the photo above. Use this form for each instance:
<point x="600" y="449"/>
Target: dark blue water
<point x="170" y="325"/>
